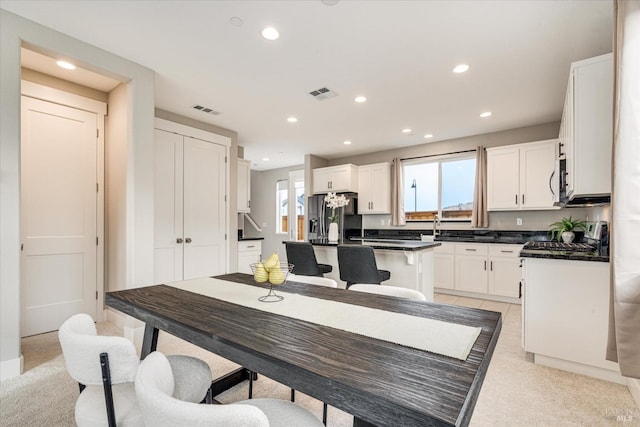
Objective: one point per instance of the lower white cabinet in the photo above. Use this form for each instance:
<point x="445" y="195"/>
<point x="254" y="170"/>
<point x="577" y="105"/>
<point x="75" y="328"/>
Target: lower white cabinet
<point x="479" y="270"/>
<point x="443" y="266"/>
<point x="249" y="252"/>
<point x="566" y="315"/>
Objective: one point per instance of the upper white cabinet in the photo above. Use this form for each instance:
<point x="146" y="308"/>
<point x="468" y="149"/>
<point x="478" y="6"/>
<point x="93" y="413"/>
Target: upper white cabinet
<point x="343" y="178"/>
<point x="374" y="192"/>
<point x="244" y="185"/>
<point x="586" y="127"/>
<point x="189" y="210"/>
<point x="521" y="176"/>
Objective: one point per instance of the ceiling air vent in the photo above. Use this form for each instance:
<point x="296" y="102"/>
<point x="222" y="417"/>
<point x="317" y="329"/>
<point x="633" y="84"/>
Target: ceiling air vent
<point x="205" y="110"/>
<point x="323" y="93"/>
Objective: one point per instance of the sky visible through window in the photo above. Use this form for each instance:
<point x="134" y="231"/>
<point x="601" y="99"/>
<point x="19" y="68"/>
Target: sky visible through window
<point x="421" y="185"/>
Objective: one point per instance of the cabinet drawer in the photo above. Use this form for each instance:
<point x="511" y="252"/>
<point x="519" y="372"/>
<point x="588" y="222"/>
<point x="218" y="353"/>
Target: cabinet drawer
<point x="470" y="249"/>
<point x="249" y="245"/>
<point x="444" y="248"/>
<point x="505" y="250"/>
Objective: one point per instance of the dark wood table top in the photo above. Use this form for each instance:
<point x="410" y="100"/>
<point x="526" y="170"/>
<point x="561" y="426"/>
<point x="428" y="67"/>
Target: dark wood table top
<point x="379" y="382"/>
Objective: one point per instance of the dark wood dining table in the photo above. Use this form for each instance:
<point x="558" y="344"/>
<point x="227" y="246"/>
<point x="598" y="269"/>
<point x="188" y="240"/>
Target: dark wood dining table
<point x="379" y="382"/>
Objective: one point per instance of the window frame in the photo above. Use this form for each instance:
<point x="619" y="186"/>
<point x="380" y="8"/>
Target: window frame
<point x="439" y="159"/>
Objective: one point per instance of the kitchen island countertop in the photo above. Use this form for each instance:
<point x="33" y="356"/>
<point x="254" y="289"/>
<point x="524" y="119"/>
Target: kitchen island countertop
<point x="394" y="245"/>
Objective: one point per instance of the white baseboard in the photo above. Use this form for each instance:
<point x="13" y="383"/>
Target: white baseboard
<point x="634" y="388"/>
<point x="579" y="368"/>
<point x="11" y="368"/>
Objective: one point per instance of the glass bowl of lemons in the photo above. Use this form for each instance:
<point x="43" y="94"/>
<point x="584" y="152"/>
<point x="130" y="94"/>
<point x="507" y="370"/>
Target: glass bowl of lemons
<point x="273" y="272"/>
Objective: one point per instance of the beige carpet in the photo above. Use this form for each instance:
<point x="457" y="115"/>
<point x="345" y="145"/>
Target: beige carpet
<point x="515" y="392"/>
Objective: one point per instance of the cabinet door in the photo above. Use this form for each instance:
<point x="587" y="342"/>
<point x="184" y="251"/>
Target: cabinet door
<point x="244" y="186"/>
<point x="471" y="273"/>
<point x="503" y="179"/>
<point x="321" y="181"/>
<point x="504" y="276"/>
<point x="204" y="209"/>
<point x="167" y="209"/>
<point x="340" y="179"/>
<point x="365" y="196"/>
<point x="443" y="271"/>
<point x="249" y="252"/>
<point x="537" y="163"/>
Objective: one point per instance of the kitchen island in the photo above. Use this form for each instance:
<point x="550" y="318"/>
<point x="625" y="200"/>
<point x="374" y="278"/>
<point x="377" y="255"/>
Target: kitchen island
<point x="410" y="262"/>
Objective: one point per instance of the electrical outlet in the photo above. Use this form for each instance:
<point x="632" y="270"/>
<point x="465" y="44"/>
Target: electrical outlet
<point x="518" y="221"/>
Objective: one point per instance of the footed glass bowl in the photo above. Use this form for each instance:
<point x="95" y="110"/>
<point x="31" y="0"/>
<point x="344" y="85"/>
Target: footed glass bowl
<point x="275" y="276"/>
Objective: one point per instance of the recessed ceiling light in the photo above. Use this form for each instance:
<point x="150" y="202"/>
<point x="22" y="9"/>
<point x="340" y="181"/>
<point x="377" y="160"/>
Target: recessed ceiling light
<point x="265" y="159"/>
<point x="292" y="119"/>
<point x="360" y="99"/>
<point x="428" y="135"/>
<point x="486" y="114"/>
<point x="66" y="65"/>
<point x="347" y="143"/>
<point x="407" y="130"/>
<point x="270" y="33"/>
<point x="329" y="2"/>
<point x="461" y="68"/>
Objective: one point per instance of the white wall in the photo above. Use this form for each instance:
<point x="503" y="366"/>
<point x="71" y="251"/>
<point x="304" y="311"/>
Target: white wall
<point x="137" y="228"/>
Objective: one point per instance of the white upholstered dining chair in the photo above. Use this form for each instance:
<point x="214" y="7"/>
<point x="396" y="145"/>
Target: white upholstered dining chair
<point x="105" y="368"/>
<point x="393" y="291"/>
<point x="154" y="386"/>
<point x="312" y="280"/>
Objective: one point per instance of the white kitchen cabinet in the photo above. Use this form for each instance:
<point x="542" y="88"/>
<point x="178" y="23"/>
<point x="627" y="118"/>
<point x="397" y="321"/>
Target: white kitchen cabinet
<point x="443" y="266"/>
<point x="374" y="190"/>
<point x="566" y="315"/>
<point x="586" y="127"/>
<point x="249" y="252"/>
<point x="504" y="270"/>
<point x="189" y="207"/>
<point x="244" y="186"/>
<point x="471" y="267"/>
<point x="342" y="178"/>
<point x="479" y="270"/>
<point x="519" y="177"/>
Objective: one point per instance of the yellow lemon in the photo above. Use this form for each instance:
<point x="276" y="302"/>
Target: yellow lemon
<point x="260" y="275"/>
<point x="276" y="276"/>
<point x="272" y="261"/>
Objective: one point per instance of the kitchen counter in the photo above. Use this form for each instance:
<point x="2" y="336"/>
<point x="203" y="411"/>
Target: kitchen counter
<point x="243" y="239"/>
<point x="410" y="262"/>
<point x="388" y="244"/>
<point x="573" y="256"/>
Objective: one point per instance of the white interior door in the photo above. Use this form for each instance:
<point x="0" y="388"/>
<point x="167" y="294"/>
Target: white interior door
<point x="58" y="214"/>
<point x="167" y="184"/>
<point x="204" y="208"/>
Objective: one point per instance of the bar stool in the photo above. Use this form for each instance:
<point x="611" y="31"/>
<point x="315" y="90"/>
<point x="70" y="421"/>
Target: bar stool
<point x="301" y="255"/>
<point x="358" y="265"/>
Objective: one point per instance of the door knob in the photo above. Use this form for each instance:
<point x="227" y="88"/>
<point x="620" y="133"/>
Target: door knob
<point x="179" y="240"/>
<point x="188" y="240"/>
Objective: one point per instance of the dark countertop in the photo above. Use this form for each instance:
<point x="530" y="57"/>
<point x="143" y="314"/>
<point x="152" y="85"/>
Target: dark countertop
<point x="241" y="239"/>
<point x="516" y="237"/>
<point x="572" y="256"/>
<point x="387" y="244"/>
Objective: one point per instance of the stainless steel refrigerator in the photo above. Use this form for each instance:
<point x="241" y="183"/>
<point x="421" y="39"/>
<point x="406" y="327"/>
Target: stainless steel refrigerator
<point x="350" y="223"/>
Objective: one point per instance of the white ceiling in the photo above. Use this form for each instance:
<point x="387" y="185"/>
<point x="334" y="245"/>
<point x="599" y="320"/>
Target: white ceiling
<point x="399" y="54"/>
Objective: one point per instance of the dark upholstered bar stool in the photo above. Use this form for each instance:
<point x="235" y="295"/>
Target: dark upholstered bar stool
<point x="301" y="255"/>
<point x="358" y="265"/>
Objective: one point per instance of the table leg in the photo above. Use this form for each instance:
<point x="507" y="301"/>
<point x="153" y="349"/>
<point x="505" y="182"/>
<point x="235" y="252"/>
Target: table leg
<point x="150" y="341"/>
<point x="357" y="422"/>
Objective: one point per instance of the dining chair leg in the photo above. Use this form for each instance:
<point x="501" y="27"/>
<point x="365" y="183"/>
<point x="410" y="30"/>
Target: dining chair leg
<point x="324" y="413"/>
<point x="250" y="384"/>
<point x="293" y="395"/>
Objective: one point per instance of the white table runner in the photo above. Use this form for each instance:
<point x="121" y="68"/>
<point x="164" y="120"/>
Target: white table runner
<point x="448" y="339"/>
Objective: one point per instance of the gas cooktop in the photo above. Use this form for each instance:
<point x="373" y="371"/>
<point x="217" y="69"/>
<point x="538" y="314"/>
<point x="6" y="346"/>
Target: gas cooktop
<point x="559" y="246"/>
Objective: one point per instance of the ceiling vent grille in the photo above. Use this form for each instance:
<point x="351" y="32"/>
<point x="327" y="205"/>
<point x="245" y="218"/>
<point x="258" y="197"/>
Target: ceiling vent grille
<point x="323" y="93"/>
<point x="205" y="110"/>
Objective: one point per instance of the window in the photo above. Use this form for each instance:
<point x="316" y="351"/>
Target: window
<point x="284" y="211"/>
<point x="442" y="186"/>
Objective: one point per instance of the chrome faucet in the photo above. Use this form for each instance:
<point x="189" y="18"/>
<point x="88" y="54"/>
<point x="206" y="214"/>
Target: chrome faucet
<point x="436" y="226"/>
